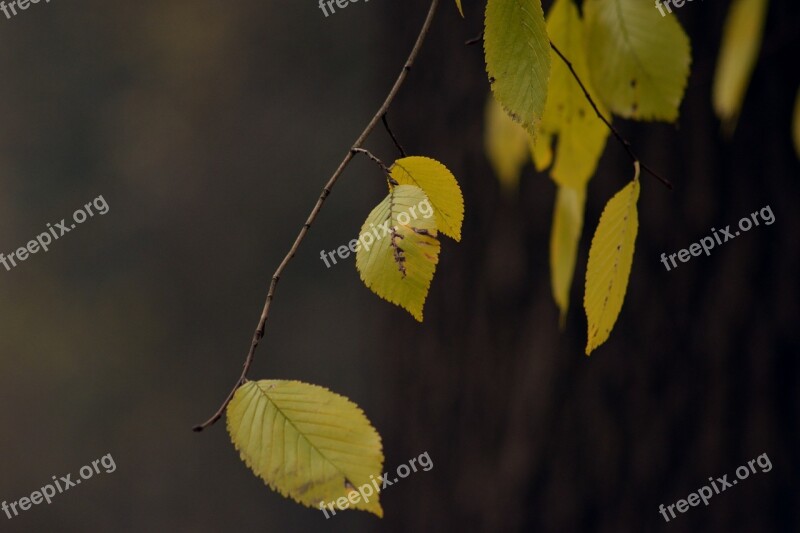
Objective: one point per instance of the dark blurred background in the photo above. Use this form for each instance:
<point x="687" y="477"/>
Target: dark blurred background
<point x="210" y="129"/>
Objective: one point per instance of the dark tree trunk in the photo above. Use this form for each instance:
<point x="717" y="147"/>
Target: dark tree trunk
<point x="700" y="374"/>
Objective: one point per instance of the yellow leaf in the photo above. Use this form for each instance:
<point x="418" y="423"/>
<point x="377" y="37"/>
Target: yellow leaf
<point x="398" y="249"/>
<point x="460" y="9"/>
<point x="796" y="124"/>
<point x="741" y="42"/>
<point x="610" y="260"/>
<point x="518" y="58"/>
<point x="578" y="152"/>
<point x="564" y="239"/>
<point x="581" y="135"/>
<point x="507" y="145"/>
<point x="638" y="60"/>
<point x="306" y="442"/>
<point x="439" y="185"/>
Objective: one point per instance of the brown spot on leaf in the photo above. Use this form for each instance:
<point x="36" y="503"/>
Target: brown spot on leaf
<point x="399" y="255"/>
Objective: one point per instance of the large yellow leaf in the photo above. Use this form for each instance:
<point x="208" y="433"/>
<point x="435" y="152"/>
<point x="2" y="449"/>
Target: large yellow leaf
<point x="439" y="185"/>
<point x="610" y="260"/>
<point x="398" y="252"/>
<point x="506" y="144"/>
<point x="741" y="42"/>
<point x="518" y="58"/>
<point x="581" y="135"/>
<point x="638" y="60"/>
<point x="306" y="442"/>
<point x="564" y="239"/>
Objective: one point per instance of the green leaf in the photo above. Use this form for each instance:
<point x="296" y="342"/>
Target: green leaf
<point x="564" y="239"/>
<point x="507" y="145"/>
<point x="581" y="135"/>
<point x="305" y="442"/>
<point x="741" y="42"/>
<point x="610" y="260"/>
<point x="518" y="58"/>
<point x="638" y="60"/>
<point x="439" y="185"/>
<point x="398" y="249"/>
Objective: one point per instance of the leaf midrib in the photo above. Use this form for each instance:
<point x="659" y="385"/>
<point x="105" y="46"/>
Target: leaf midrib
<point x="300" y="433"/>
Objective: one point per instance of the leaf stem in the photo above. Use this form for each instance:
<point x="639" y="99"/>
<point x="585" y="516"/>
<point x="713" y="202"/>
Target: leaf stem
<point x="326" y="190"/>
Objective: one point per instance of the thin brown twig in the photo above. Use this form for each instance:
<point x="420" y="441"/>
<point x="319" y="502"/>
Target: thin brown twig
<point x="326" y="190"/>
<point x="391" y="134"/>
<point x="373" y="157"/>
<point x="386" y="170"/>
<point x="620" y="138"/>
<point x="474" y="40"/>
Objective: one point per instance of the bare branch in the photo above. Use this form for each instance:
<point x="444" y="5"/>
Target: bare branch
<point x="326" y="190"/>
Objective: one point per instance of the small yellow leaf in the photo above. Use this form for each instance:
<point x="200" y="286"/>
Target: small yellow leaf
<point x="306" y="442"/>
<point x="581" y="135"/>
<point x="507" y="145"/>
<point x="741" y="42"/>
<point x="610" y="260"/>
<point x="460" y="9"/>
<point x="398" y="249"/>
<point x="638" y="60"/>
<point x="542" y="150"/>
<point x="564" y="239"/>
<point x="439" y="185"/>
